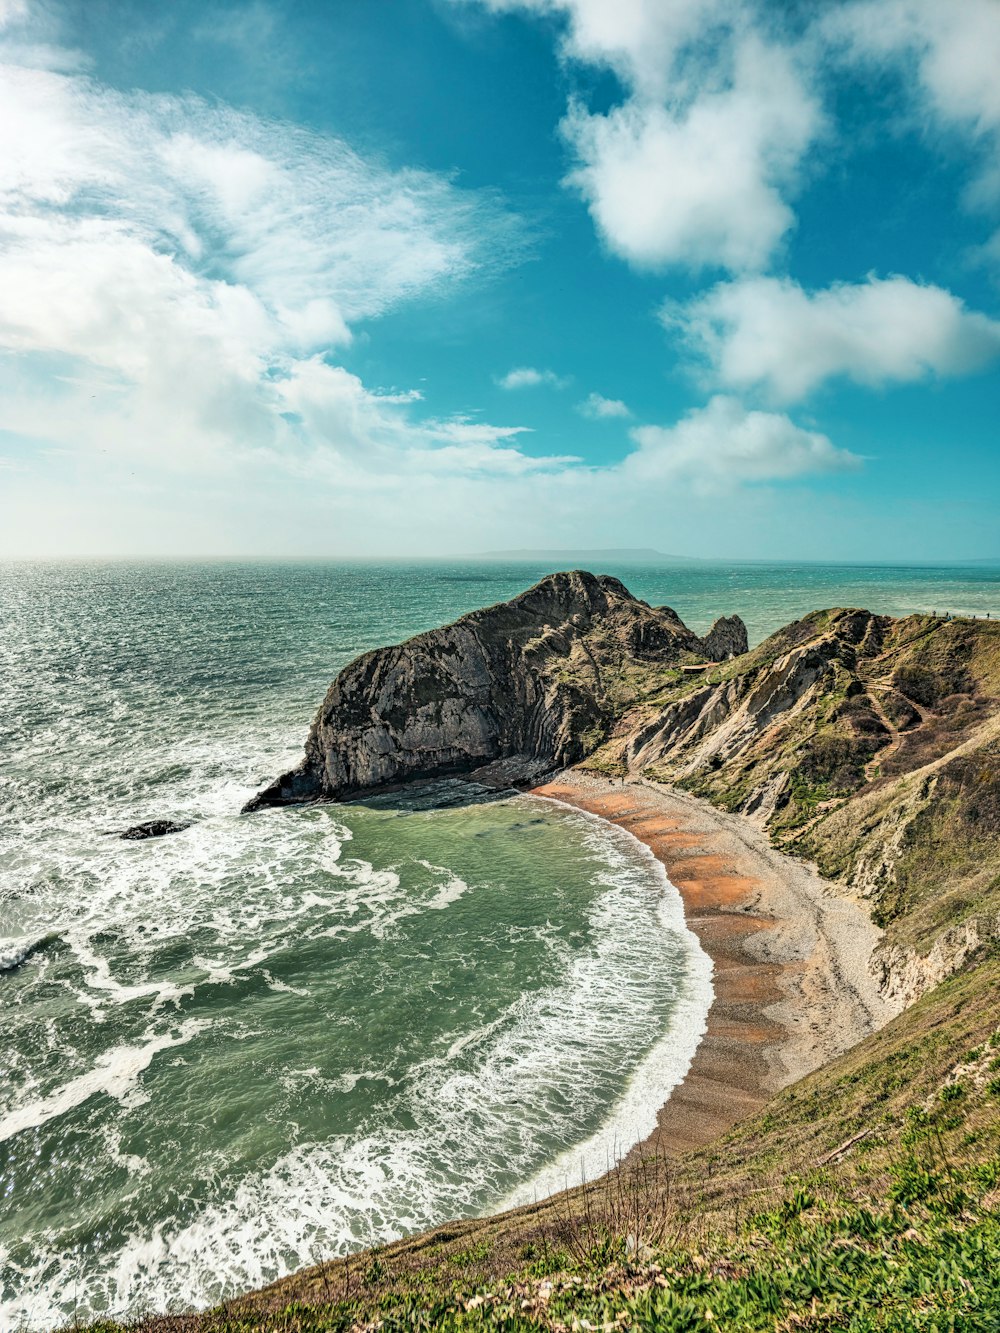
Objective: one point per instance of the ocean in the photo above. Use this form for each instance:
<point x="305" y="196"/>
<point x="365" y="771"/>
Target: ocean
<point x="269" y="1039"/>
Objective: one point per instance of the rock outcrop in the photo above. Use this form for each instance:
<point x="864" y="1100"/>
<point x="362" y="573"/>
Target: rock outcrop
<point x="152" y="828"/>
<point x="868" y="744"/>
<point x="727" y="638"/>
<point x="516" y="689"/>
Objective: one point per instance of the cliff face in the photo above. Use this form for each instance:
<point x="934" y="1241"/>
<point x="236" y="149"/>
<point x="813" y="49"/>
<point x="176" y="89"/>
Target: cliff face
<point x="869" y="745"/>
<point x="532" y="684"/>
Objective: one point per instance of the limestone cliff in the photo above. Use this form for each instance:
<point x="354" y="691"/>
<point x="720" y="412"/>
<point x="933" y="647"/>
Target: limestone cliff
<point x="532" y="684"/>
<point x="869" y="745"/>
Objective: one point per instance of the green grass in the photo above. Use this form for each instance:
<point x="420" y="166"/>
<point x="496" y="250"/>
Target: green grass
<point x="770" y="1228"/>
<point x="928" y="1259"/>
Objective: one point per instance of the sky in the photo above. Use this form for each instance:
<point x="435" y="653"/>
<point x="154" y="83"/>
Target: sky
<point x="435" y="277"/>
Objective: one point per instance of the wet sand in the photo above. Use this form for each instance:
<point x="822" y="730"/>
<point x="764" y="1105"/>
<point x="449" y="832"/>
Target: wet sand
<point x="789" y="952"/>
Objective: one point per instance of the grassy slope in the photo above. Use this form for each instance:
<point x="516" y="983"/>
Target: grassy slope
<point x="766" y="1229"/>
<point x="763" y="1230"/>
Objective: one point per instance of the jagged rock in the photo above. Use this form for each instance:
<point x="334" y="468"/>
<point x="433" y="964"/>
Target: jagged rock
<point x="857" y="740"/>
<point x="727" y="638"/>
<point x="152" y="828"/>
<point x="534" y="682"/>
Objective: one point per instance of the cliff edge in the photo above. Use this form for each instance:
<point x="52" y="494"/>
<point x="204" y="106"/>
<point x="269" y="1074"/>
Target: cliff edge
<point x="528" y="685"/>
<point x="867" y="744"/>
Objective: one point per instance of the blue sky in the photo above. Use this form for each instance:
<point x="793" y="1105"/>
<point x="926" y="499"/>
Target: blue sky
<point x="370" y="277"/>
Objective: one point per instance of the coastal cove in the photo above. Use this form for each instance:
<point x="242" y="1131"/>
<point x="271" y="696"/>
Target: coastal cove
<point x="792" y="987"/>
<point x="237" y="1037"/>
<point x="344" y="1024"/>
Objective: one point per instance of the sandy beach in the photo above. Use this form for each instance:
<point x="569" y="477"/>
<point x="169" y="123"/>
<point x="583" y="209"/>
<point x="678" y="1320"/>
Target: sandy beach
<point x="789" y="952"/>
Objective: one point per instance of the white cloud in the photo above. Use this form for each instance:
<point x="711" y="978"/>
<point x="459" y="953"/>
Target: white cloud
<point x="12" y="11"/>
<point x="175" y="280"/>
<point x="462" y="486"/>
<point x="375" y="434"/>
<point x="597" y="407"/>
<point x="948" y="53"/>
<point x="703" y="183"/>
<point x="770" y="333"/>
<point x="694" y="167"/>
<point x="641" y="40"/>
<point x="722" y="445"/>
<point x="528" y="377"/>
<point x="955" y="45"/>
<point x="169" y="268"/>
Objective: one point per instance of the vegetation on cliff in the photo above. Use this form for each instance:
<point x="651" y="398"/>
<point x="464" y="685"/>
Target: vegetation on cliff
<point x="866" y="744"/>
<point x="866" y="1196"/>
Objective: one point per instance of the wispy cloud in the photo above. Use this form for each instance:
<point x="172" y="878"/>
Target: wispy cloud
<point x="528" y="377"/>
<point x="170" y="269"/>
<point x="598" y="408"/>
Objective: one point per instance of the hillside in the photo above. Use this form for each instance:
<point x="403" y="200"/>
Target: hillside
<point x="865" y="1196"/>
<point x="869" y="745"/>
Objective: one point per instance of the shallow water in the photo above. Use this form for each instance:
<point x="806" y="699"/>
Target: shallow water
<point x="264" y="1040"/>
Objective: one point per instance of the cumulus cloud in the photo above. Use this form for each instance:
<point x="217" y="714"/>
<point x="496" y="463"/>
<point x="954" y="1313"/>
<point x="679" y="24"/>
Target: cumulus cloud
<point x="723" y="444"/>
<point x="770" y="333"/>
<point x="598" y="408"/>
<point x="528" y="377"/>
<point x="694" y="166"/>
<point x="171" y="270"/>
<point x="700" y="184"/>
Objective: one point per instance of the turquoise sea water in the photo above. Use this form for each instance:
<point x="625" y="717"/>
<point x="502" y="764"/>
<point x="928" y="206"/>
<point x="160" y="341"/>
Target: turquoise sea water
<point x="264" y="1040"/>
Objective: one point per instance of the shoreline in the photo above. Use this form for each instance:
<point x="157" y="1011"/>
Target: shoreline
<point x="789" y="953"/>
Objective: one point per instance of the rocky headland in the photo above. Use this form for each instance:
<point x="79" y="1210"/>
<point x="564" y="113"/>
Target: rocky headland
<point x="866" y="744"/>
<point x="522" y="688"/>
<point x="828" y="806"/>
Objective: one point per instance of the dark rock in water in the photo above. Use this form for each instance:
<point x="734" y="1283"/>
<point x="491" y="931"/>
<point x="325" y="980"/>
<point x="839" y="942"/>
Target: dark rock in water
<point x="505" y="694"/>
<point x="153" y="828"/>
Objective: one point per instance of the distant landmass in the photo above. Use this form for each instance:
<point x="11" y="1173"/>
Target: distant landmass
<point x="575" y="555"/>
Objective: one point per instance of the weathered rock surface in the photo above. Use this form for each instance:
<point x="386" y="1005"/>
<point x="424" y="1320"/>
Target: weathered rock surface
<point x="867" y="744"/>
<point x="530" y="685"/>
<point x="152" y="828"/>
<point x="727" y="638"/>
